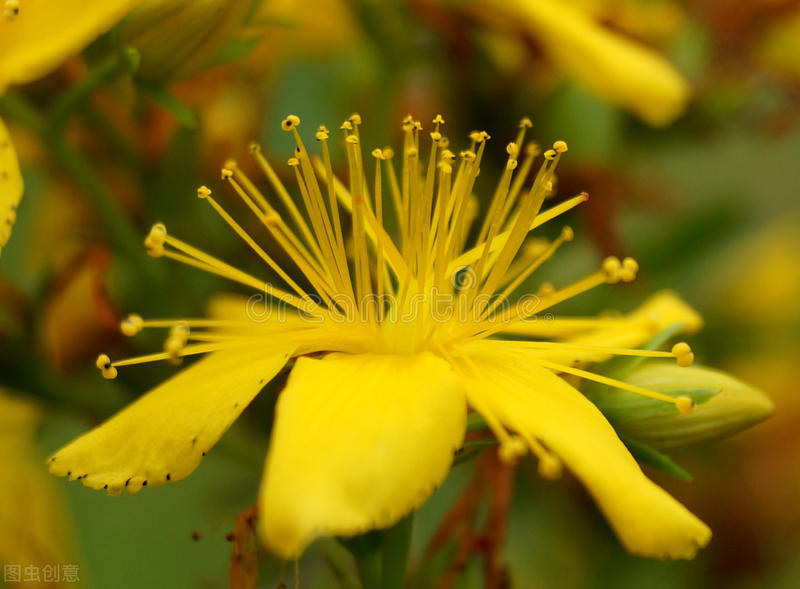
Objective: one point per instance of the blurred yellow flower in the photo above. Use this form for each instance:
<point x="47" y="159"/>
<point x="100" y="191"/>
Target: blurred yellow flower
<point x="607" y="63"/>
<point x="33" y="529"/>
<point x="397" y="339"/>
<point x="37" y="35"/>
<point x="11" y="185"/>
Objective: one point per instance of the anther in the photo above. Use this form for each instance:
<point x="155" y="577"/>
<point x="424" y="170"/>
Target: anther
<point x="438" y="120"/>
<point x="176" y="341"/>
<point x="346" y="126"/>
<point x="683" y="354"/>
<point x="290" y="122"/>
<point x="546" y="289"/>
<point x="550" y="154"/>
<point x="226" y="173"/>
<point x="511" y="164"/>
<point x="550" y="467"/>
<point x="612" y="268"/>
<point x="106" y="368"/>
<point x="475" y="136"/>
<point x="525" y="123"/>
<point x="388" y="153"/>
<point x="230" y="163"/>
<point x="352" y="139"/>
<point x="203" y="192"/>
<point x="512" y="149"/>
<point x="468" y="155"/>
<point x="254" y="148"/>
<point x="448" y="156"/>
<point x="355" y="118"/>
<point x="154" y="242"/>
<point x="685" y="405"/>
<point x="444" y="142"/>
<point x="512" y="450"/>
<point x="630" y="268"/>
<point x="11" y="9"/>
<point x="532" y="149"/>
<point x="131" y="325"/>
<point x="436" y="137"/>
<point x="560" y="146"/>
<point x="293" y="162"/>
<point x="412" y="152"/>
<point x="377" y="153"/>
<point x="322" y="133"/>
<point x="567" y="234"/>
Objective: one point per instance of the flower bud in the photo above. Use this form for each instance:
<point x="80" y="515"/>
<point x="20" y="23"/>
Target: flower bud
<point x="723" y="405"/>
<point x="179" y="38"/>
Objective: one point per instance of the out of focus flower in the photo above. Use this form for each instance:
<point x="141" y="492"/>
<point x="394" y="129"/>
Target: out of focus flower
<point x="396" y="340"/>
<point x="11" y="185"/>
<point x="769" y="295"/>
<point x="609" y="64"/>
<point x="37" y="35"/>
<point x="78" y="314"/>
<point x="179" y="38"/>
<point x="731" y="406"/>
<point x="33" y="530"/>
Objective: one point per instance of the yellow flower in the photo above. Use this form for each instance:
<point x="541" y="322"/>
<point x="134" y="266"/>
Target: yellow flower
<point x="33" y="530"/>
<point x="37" y="35"/>
<point x="607" y="63"/>
<point x="394" y="340"/>
<point x="11" y="185"/>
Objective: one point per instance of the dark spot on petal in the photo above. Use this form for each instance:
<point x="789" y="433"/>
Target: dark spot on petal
<point x="128" y="481"/>
<point x="144" y="484"/>
<point x="105" y="486"/>
<point x="194" y="440"/>
<point x="169" y="478"/>
<point x="69" y="472"/>
<point x="235" y="405"/>
<point x="204" y="453"/>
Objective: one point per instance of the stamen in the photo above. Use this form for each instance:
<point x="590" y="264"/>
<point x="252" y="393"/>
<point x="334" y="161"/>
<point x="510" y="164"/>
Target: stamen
<point x="683" y="353"/>
<point x="107" y="369"/>
<point x="683" y="403"/>
<point x="131" y="325"/>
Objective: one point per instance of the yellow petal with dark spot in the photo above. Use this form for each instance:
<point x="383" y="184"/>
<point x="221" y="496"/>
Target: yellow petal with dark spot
<point x="164" y="434"/>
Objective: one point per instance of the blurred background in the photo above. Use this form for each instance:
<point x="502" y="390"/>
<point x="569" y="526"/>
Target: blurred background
<point x="683" y="121"/>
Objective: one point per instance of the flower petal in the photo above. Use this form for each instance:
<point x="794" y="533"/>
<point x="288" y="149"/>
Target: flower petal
<point x="164" y="434"/>
<point x="359" y="441"/>
<point x="11" y="186"/>
<point x="609" y="64"/>
<point x="45" y="33"/>
<point x="535" y="402"/>
<point x="662" y="310"/>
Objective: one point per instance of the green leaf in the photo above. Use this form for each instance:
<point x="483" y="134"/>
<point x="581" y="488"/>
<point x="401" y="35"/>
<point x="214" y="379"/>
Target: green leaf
<point x="652" y="457"/>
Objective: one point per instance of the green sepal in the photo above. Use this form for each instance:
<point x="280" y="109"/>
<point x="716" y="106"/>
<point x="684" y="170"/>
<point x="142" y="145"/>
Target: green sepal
<point x="652" y="457"/>
<point x="620" y="406"/>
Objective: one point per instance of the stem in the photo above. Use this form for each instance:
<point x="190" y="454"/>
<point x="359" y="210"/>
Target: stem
<point x="118" y="229"/>
<point x="118" y="63"/>
<point x="396" y="548"/>
<point x="366" y="550"/>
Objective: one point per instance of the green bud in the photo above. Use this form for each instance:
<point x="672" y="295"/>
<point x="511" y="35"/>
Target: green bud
<point x="179" y="38"/>
<point x="723" y="405"/>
